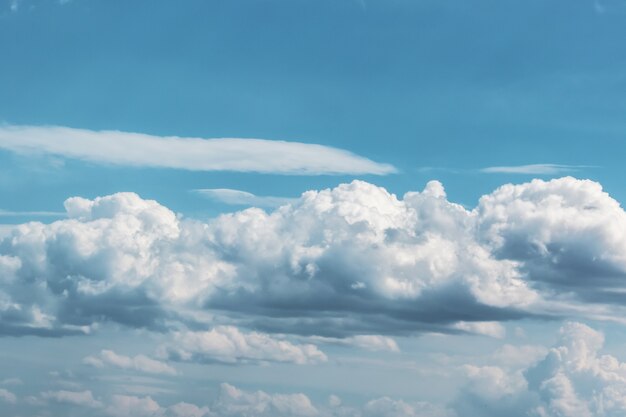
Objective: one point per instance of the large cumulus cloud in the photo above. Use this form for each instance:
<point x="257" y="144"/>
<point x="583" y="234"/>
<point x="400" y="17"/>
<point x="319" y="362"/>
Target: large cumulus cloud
<point x="338" y="262"/>
<point x="573" y="379"/>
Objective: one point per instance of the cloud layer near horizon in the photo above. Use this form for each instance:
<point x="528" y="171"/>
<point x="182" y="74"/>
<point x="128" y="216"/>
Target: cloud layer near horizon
<point x="353" y="260"/>
<point x="573" y="378"/>
<point x="195" y="154"/>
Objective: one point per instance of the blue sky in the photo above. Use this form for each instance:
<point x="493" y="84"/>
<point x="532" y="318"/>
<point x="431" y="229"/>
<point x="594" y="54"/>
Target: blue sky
<point x="135" y="136"/>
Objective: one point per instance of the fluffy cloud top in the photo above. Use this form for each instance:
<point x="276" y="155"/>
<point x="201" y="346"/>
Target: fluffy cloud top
<point x="343" y="262"/>
<point x="571" y="380"/>
<point x="229" y="154"/>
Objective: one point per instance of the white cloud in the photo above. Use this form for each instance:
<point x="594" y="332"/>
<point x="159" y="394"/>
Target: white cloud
<point x="229" y="345"/>
<point x="533" y="169"/>
<point x="485" y="328"/>
<point x="243" y="198"/>
<point x="78" y="398"/>
<point x="232" y="401"/>
<point x="128" y="405"/>
<point x="493" y="382"/>
<point x="235" y="402"/>
<point x="140" y="363"/>
<point x="573" y="379"/>
<point x="323" y="264"/>
<point x="12" y="381"/>
<point x="8" y="213"/>
<point x="228" y="154"/>
<point x="188" y="410"/>
<point x="519" y="356"/>
<point x="7" y="396"/>
<point x="388" y="407"/>
<point x="375" y="343"/>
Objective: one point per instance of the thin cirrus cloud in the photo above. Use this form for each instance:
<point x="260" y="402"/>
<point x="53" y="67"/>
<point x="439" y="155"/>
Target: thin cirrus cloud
<point x="194" y="154"/>
<point x="9" y="213"/>
<point x="532" y="169"/>
<point x="242" y="198"/>
<point x="140" y="363"/>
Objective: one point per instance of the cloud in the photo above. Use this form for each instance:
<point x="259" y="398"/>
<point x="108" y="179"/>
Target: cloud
<point x="196" y="154"/>
<point x="519" y="356"/>
<point x="339" y="263"/>
<point x="235" y="402"/>
<point x="227" y="344"/>
<point x="572" y="379"/>
<point x="533" y="169"/>
<point x="8" y="213"/>
<point x="242" y="198"/>
<point x="128" y="405"/>
<point x="388" y="407"/>
<point x="375" y="343"/>
<point x="140" y="363"/>
<point x="78" y="398"/>
<point x="7" y="396"/>
<point x="232" y="401"/>
<point x="485" y="328"/>
<point x="188" y="410"/>
<point x="12" y="381"/>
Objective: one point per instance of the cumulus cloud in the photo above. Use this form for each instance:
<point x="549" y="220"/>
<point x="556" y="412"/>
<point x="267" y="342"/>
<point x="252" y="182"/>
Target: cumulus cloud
<point x="78" y="398"/>
<point x="388" y="407"/>
<point x="339" y="263"/>
<point x="241" y="198"/>
<point x="228" y="154"/>
<point x="140" y="363"/>
<point x="573" y="379"/>
<point x="128" y="405"/>
<point x="235" y="402"/>
<point x="188" y="410"/>
<point x="228" y="344"/>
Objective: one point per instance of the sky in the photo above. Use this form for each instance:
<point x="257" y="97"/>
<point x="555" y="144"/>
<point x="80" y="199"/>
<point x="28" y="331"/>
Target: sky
<point x="332" y="208"/>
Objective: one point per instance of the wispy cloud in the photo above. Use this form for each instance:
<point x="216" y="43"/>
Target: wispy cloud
<point x="242" y="198"/>
<point x="196" y="154"/>
<point x="140" y="363"/>
<point x="8" y="213"/>
<point x="533" y="169"/>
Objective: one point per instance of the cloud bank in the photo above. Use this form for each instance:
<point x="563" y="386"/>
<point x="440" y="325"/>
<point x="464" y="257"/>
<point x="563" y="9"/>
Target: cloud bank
<point x="573" y="378"/>
<point x="338" y="263"/>
<point x="195" y="154"/>
<point x="235" y="402"/>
